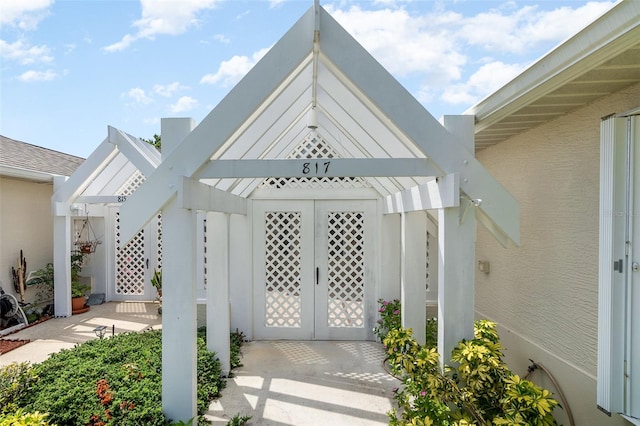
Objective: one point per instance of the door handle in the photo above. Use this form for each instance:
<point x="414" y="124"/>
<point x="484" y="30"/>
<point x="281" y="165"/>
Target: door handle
<point x="317" y="275"/>
<point x="147" y="263"/>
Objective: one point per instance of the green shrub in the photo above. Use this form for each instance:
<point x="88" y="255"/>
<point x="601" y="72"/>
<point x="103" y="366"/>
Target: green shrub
<point x="113" y="381"/>
<point x="237" y="339"/>
<point x="16" y="381"/>
<point x="22" y="418"/>
<point x="479" y="390"/>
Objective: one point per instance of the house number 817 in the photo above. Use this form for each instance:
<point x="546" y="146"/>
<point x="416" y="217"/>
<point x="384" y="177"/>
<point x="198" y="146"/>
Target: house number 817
<point x="322" y="168"/>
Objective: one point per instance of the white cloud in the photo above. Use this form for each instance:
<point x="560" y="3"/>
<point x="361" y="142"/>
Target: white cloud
<point x="221" y="38"/>
<point x="406" y="44"/>
<point x="24" y="14"/>
<point x="231" y="71"/>
<point x="516" y="31"/>
<point x="139" y="96"/>
<point x="23" y="53"/>
<point x="488" y="78"/>
<point x="439" y="48"/>
<point x="275" y="3"/>
<point x="185" y="103"/>
<point x="163" y="17"/>
<point x="32" y="75"/>
<point x="169" y="89"/>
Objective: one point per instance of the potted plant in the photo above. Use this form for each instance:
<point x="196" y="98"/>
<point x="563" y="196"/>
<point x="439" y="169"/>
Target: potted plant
<point x="79" y="297"/>
<point x="78" y="289"/>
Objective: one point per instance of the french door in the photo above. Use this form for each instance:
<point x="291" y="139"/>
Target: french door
<point x="313" y="269"/>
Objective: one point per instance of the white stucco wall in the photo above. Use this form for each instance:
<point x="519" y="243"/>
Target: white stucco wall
<point x="25" y="224"/>
<point x="544" y="294"/>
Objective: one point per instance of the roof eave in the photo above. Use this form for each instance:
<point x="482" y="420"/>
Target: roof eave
<point x="602" y="40"/>
<point x="26" y="174"/>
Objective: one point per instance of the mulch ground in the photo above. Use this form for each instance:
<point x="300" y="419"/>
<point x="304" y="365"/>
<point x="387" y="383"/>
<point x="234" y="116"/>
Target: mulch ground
<point x="7" y="345"/>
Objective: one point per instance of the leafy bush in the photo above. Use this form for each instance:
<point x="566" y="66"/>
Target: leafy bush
<point x="480" y="390"/>
<point x="22" y="418"/>
<point x="113" y="381"/>
<point x="237" y="339"/>
<point x="390" y="318"/>
<point x="16" y="381"/>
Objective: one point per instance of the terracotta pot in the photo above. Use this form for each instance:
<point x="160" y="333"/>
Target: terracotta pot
<point x="77" y="303"/>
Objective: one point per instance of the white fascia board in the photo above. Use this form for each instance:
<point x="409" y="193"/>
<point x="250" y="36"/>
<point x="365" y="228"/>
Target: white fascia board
<point x="436" y="194"/>
<point x="84" y="174"/>
<point x="195" y="195"/>
<point x="128" y="147"/>
<point x="273" y="72"/>
<point x="19" y="173"/>
<point x="399" y="107"/>
<point x="605" y="38"/>
<point x="318" y="167"/>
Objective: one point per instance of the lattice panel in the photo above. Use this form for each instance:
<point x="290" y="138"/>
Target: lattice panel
<point x="130" y="186"/>
<point x="159" y="241"/>
<point x="428" y="277"/>
<point x="346" y="269"/>
<point x="130" y="264"/>
<point x="283" y="261"/>
<point x="314" y="147"/>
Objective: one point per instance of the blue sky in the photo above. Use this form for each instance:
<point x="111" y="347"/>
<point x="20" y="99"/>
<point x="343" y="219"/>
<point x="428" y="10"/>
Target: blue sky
<point x="69" y="68"/>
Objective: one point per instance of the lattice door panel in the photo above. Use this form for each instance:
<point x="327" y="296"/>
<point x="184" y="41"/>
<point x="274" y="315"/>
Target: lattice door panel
<point x="130" y="267"/>
<point x="283" y="281"/>
<point x="345" y="274"/>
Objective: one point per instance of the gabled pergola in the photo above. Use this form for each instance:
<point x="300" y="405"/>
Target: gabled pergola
<point x="316" y="80"/>
<point x="87" y="192"/>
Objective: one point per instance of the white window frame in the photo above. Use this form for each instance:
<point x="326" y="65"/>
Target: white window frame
<point x="618" y="383"/>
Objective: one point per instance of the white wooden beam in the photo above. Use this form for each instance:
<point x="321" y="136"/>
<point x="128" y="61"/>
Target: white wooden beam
<point x="84" y="174"/>
<point x="318" y="167"/>
<point x="255" y="91"/>
<point x="61" y="256"/>
<point x="101" y="199"/>
<point x="179" y="353"/>
<point x="436" y="194"/>
<point x="130" y="149"/>
<point x="199" y="196"/>
<point x="397" y="105"/>
<point x="456" y="259"/>
<point x="413" y="273"/>
<point x="218" y="311"/>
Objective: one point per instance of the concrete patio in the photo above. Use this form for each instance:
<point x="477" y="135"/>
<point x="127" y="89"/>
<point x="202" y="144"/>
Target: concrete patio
<point x="281" y="382"/>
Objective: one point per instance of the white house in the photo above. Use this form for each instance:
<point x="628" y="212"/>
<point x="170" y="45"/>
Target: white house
<point x="563" y="137"/>
<point x="325" y="185"/>
<point x="26" y="184"/>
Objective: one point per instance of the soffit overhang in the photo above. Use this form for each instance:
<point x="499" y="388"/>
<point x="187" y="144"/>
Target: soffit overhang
<point x="602" y="59"/>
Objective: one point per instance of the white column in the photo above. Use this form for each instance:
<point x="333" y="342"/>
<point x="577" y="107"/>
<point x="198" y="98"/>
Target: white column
<point x="61" y="254"/>
<point x="179" y="313"/>
<point x="62" y="265"/>
<point x="218" y="315"/>
<point x="413" y="275"/>
<point x="179" y="309"/>
<point x="456" y="257"/>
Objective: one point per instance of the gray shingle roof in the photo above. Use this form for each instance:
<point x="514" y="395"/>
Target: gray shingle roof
<point x="23" y="155"/>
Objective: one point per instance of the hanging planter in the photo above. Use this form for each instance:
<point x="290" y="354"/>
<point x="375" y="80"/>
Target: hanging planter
<point x="86" y="241"/>
<point x="87" y="247"/>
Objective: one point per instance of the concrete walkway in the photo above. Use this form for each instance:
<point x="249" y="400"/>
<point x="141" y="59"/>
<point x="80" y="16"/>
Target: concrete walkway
<point x="308" y="383"/>
<point x="62" y="333"/>
<point x="281" y="383"/>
